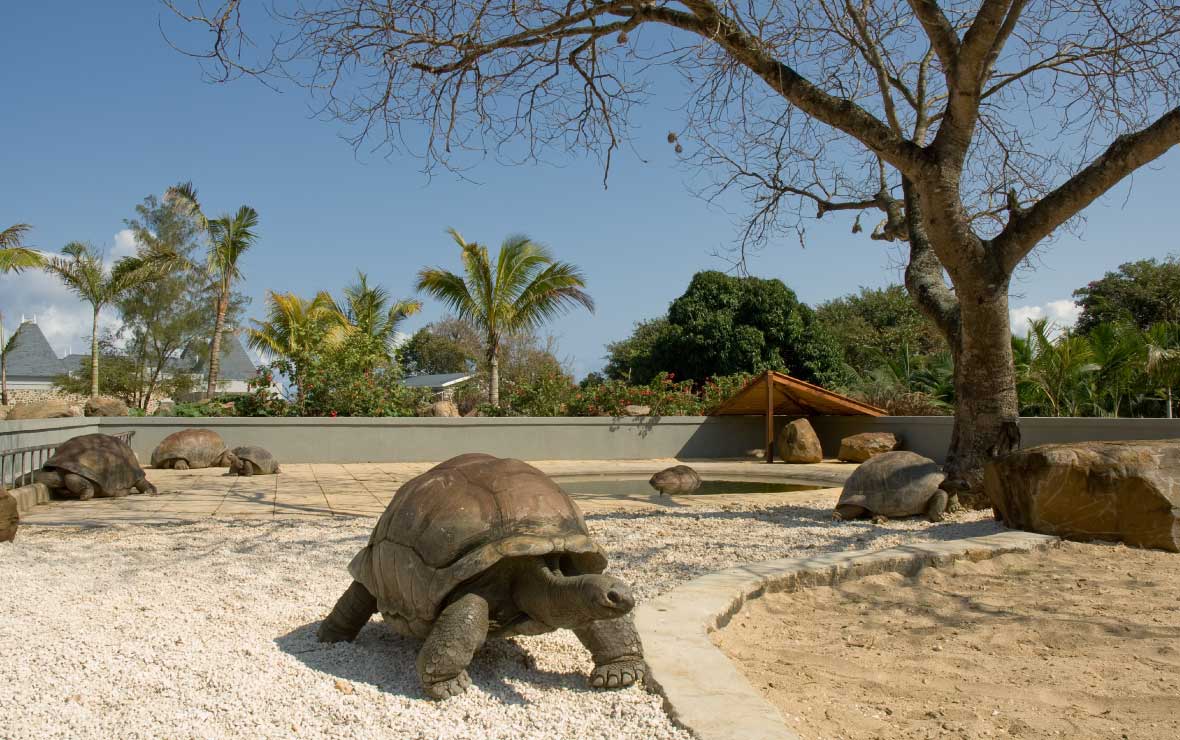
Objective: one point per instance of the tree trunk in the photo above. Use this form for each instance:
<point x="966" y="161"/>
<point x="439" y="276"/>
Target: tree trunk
<point x="215" y="345"/>
<point x="1169" y="402"/>
<point x="986" y="407"/>
<point x="4" y="379"/>
<point x="494" y="383"/>
<point x="94" y="355"/>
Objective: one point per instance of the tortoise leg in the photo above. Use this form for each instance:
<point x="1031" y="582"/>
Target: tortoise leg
<point x="936" y="507"/>
<point x="246" y="468"/>
<point x="618" y="656"/>
<point x="143" y="485"/>
<point x="848" y="512"/>
<point x="880" y="518"/>
<point x="78" y="486"/>
<point x="179" y="465"/>
<point x="458" y="632"/>
<point x="351" y="613"/>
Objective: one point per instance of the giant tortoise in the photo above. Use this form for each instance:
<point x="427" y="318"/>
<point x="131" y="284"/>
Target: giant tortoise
<point x="93" y="465"/>
<point x="250" y="460"/>
<point x="481" y="547"/>
<point x="190" y="449"/>
<point x="893" y="484"/>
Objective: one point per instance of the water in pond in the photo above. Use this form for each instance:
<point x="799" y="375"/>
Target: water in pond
<point x="630" y="487"/>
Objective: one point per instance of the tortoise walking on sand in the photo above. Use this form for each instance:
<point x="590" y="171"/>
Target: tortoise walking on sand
<point x="480" y="547"/>
<point x="251" y="460"/>
<point x="94" y="465"/>
<point x="190" y="449"/>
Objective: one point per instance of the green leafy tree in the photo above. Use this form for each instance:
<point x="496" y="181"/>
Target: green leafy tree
<point x="522" y="290"/>
<point x="1162" y="358"/>
<point x="1143" y="293"/>
<point x="367" y="321"/>
<point x="877" y="323"/>
<point x="14" y="255"/>
<point x="724" y="325"/>
<point x="293" y="332"/>
<point x="81" y="269"/>
<point x="431" y="350"/>
<point x="6" y="346"/>
<point x="229" y="236"/>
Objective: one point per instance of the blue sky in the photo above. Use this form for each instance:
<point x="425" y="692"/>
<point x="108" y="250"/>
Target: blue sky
<point x="99" y="112"/>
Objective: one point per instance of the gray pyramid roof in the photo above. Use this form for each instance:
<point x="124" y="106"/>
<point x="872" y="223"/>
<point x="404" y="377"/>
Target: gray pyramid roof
<point x="235" y="363"/>
<point x="31" y="355"/>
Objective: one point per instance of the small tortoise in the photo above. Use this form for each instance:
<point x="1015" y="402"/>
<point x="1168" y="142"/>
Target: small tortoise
<point x="190" y="449"/>
<point x="94" y="465"/>
<point x="676" y="479"/>
<point x="250" y="460"/>
<point x="893" y="484"/>
<point x="480" y="547"/>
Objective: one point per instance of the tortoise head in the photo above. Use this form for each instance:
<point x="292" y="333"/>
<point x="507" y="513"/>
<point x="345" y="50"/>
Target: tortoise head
<point x="233" y="461"/>
<point x="542" y="591"/>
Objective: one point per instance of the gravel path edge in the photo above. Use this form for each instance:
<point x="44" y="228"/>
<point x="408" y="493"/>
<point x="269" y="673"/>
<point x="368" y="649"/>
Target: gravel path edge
<point x="702" y="690"/>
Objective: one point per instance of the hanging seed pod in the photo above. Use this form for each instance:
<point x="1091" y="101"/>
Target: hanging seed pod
<point x="679" y="149"/>
<point x="622" y="37"/>
<point x="671" y="137"/>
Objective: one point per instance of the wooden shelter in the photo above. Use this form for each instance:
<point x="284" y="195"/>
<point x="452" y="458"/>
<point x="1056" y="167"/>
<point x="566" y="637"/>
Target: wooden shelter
<point x="773" y="393"/>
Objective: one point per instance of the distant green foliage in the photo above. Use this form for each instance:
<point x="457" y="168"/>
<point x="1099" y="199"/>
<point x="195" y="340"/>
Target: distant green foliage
<point x="1142" y="293"/>
<point x="553" y="393"/>
<point x="724" y="325"/>
<point x="437" y="348"/>
<point x="878" y="326"/>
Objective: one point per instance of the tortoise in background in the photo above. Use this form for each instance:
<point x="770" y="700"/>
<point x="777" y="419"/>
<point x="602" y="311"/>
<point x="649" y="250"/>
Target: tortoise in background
<point x="94" y="465"/>
<point x="893" y="484"/>
<point x="480" y="547"/>
<point x="676" y="479"/>
<point x="190" y="449"/>
<point x="250" y="460"/>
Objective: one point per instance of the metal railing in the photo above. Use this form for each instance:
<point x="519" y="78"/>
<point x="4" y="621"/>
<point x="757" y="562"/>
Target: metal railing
<point x="17" y="465"/>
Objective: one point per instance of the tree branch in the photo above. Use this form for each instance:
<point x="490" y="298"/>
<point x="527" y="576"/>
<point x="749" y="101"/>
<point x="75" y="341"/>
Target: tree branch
<point x="939" y="30"/>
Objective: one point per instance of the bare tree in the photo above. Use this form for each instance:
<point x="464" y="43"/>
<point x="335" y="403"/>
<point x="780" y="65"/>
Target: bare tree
<point x="975" y="129"/>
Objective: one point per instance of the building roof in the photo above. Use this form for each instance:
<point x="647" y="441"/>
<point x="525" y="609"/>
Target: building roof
<point x="31" y="355"/>
<point x="436" y="382"/>
<point x="791" y="397"/>
<point x="235" y="363"/>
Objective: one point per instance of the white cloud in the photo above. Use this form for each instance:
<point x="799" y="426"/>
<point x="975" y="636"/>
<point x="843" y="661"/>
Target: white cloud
<point x="1061" y="315"/>
<point x="62" y="316"/>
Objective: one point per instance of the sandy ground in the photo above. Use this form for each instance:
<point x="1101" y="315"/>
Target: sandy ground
<point x="206" y="629"/>
<point x="1078" y="642"/>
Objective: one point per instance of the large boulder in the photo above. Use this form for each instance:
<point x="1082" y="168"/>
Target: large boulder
<point x="51" y="409"/>
<point x="1125" y="491"/>
<point x="676" y="479"/>
<point x="104" y="406"/>
<point x="893" y="484"/>
<point x="860" y="447"/>
<point x="9" y="516"/>
<point x="798" y="443"/>
<point x="443" y="408"/>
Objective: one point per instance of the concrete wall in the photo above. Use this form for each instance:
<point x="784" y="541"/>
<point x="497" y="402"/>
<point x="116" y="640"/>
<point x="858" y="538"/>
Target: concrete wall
<point x="430" y="439"/>
<point x="930" y="435"/>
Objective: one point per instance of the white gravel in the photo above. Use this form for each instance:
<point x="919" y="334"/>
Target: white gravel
<point x="207" y="629"/>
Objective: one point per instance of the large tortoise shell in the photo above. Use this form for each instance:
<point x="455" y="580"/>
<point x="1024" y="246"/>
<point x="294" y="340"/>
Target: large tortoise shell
<point x="106" y="461"/>
<point x="458" y="519"/>
<point x="200" y="448"/>
<point x="897" y="483"/>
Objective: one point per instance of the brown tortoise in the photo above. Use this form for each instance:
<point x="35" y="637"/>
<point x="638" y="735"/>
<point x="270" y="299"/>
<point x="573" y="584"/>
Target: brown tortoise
<point x="94" y="465"/>
<point x="480" y="547"/>
<point x="190" y="449"/>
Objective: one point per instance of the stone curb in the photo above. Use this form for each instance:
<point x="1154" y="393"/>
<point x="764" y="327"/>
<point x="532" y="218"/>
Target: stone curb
<point x="29" y="496"/>
<point x="703" y="691"/>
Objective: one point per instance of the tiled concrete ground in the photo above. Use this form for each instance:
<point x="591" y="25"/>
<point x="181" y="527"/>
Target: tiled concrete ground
<point x="364" y="490"/>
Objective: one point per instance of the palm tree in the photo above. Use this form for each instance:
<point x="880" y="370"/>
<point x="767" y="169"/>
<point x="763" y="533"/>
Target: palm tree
<point x="1061" y="369"/>
<point x="14" y="256"/>
<point x="370" y="314"/>
<point x="1162" y="361"/>
<point x="521" y="291"/>
<point x="229" y="238"/>
<point x="293" y="330"/>
<point x="83" y="272"/>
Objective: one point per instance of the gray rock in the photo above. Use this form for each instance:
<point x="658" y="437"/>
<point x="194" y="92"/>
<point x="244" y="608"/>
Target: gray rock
<point x="1122" y="491"/>
<point x="636" y="410"/>
<point x="676" y="479"/>
<point x="861" y="447"/>
<point x="893" y="484"/>
<point x="798" y="443"/>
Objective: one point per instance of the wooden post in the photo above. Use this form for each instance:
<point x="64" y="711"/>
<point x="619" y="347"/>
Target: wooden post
<point x="769" y="417"/>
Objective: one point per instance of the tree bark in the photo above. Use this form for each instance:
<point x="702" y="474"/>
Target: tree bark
<point x="494" y="383"/>
<point x="4" y="379"/>
<point x="94" y="354"/>
<point x="215" y="345"/>
<point x="986" y="405"/>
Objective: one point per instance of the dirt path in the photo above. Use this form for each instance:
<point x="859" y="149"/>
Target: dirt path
<point x="1080" y="642"/>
